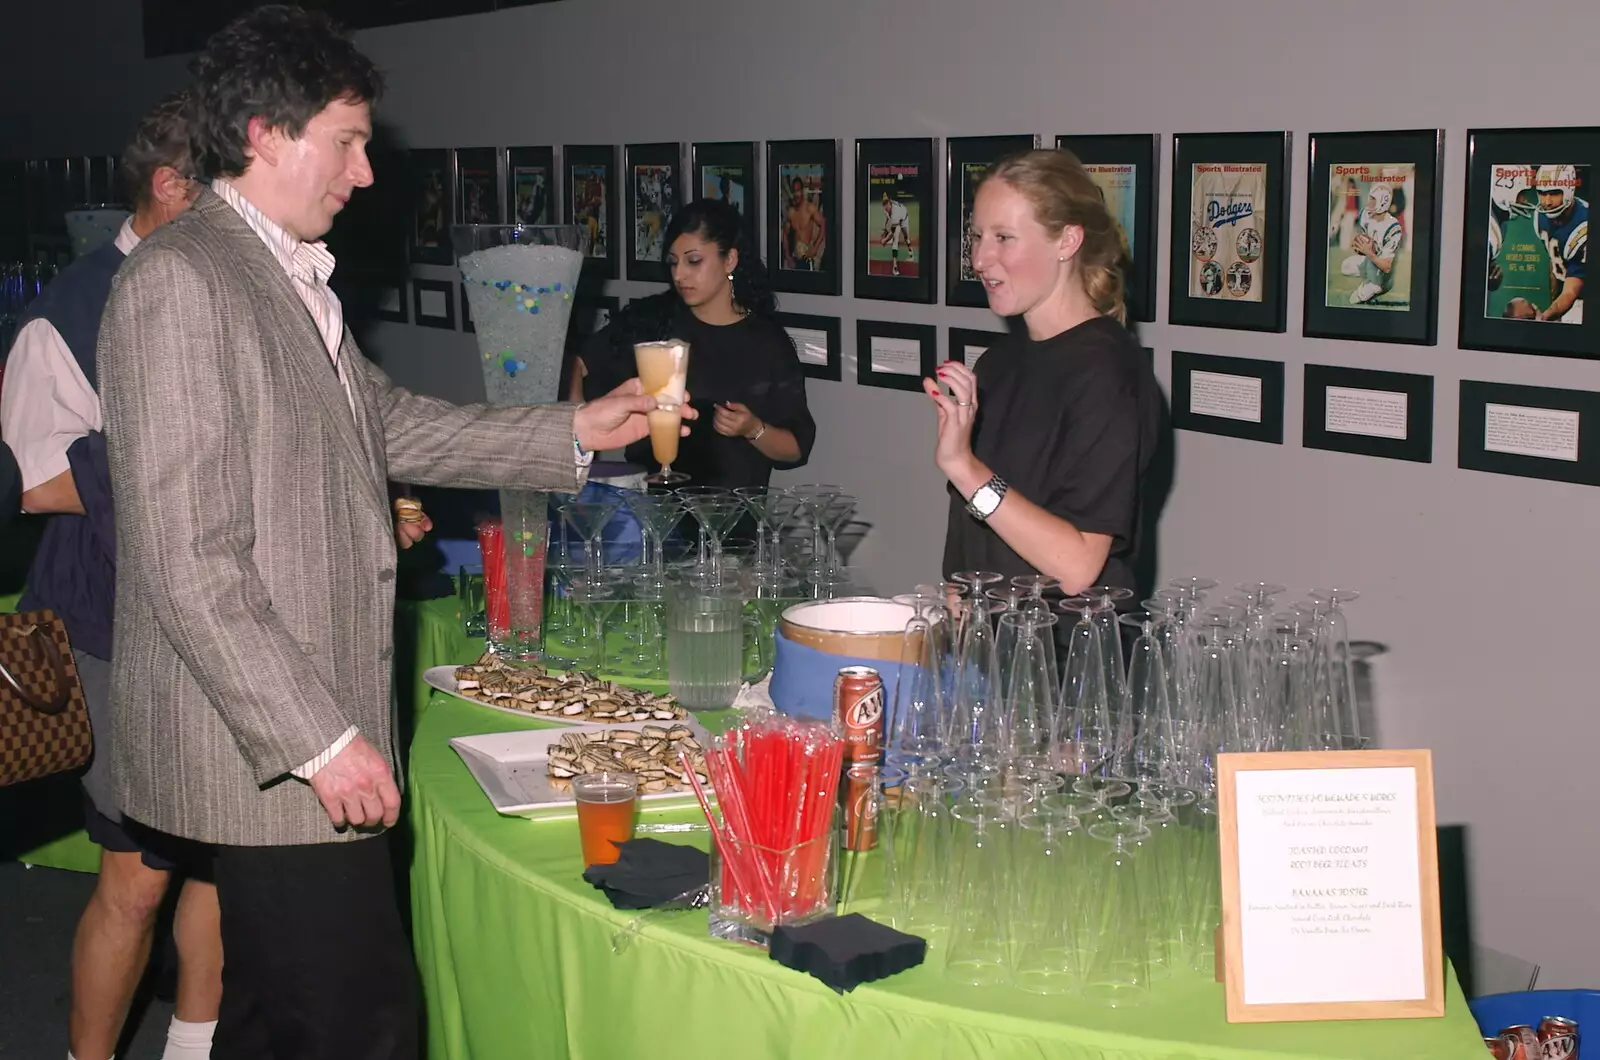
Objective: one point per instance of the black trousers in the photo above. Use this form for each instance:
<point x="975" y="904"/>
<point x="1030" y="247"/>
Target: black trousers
<point x="316" y="965"/>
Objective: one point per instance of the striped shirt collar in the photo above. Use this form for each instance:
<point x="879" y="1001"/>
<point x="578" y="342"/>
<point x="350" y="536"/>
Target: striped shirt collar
<point x="309" y="262"/>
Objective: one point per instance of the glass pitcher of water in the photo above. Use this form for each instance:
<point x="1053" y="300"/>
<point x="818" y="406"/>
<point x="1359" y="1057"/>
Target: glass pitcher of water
<point x="706" y="630"/>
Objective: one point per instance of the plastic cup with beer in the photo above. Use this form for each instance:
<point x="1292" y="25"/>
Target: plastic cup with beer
<point x="664" y="373"/>
<point x="606" y="803"/>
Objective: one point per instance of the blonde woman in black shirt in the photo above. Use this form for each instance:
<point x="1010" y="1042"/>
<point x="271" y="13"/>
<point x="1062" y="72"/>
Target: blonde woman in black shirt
<point x="1046" y="444"/>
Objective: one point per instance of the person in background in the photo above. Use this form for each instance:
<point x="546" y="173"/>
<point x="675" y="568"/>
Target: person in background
<point x="250" y="445"/>
<point x="50" y="414"/>
<point x="1046" y="446"/>
<point x="743" y="369"/>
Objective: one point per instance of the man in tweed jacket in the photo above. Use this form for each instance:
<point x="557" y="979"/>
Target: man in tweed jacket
<point x="250" y="442"/>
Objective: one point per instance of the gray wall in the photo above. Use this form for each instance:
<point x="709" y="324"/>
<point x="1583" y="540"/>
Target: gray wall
<point x="1476" y="585"/>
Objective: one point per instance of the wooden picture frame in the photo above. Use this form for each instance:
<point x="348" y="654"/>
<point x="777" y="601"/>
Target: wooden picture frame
<point x="967" y="345"/>
<point x="654" y="175"/>
<point x="885" y="349"/>
<point x="1529" y="431"/>
<point x="1507" y="270"/>
<point x="432" y="206"/>
<point x="809" y="169"/>
<point x="1368" y="413"/>
<point x="433" y="303"/>
<point x="727" y="170"/>
<point x="897" y="220"/>
<point x="1229" y="263"/>
<point x="1239" y="397"/>
<point x="1297" y="973"/>
<point x="531" y="186"/>
<point x="967" y="159"/>
<point x="479" y="199"/>
<point x="589" y="198"/>
<point x="816" y="344"/>
<point x="1126" y="169"/>
<point x="1348" y="292"/>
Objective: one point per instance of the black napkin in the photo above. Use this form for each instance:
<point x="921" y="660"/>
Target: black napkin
<point x="846" y="951"/>
<point x="648" y="873"/>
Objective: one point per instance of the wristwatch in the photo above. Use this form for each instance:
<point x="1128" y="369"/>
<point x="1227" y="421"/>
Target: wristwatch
<point x="987" y="497"/>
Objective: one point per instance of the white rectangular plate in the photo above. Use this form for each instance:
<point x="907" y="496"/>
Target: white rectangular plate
<point x="511" y="768"/>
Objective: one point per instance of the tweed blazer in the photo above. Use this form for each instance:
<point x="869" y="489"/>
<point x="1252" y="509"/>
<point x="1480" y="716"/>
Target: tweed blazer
<point x="255" y="543"/>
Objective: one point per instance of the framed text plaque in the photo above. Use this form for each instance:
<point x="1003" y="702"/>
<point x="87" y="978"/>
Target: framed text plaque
<point x="1330" y="886"/>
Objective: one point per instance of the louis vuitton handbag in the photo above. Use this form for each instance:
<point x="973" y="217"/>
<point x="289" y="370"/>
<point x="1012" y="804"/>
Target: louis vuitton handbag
<point x="44" y="721"/>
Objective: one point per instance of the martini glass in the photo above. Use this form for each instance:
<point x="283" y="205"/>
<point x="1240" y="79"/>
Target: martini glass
<point x="717" y="512"/>
<point x="771" y="507"/>
<point x="657" y="513"/>
<point x="832" y="514"/>
<point x="811" y="502"/>
<point x="589" y="519"/>
<point x="597" y="597"/>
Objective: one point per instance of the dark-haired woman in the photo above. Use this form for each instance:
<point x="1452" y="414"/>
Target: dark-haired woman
<point x="743" y="373"/>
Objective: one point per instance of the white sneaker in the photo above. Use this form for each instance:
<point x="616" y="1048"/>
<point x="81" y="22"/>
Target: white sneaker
<point x="1351" y="266"/>
<point x="1365" y="293"/>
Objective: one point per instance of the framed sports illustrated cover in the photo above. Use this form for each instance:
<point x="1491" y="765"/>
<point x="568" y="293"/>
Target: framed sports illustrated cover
<point x="1124" y="169"/>
<point x="432" y="206"/>
<point x="816" y="343"/>
<point x="589" y="190"/>
<point x="896" y="220"/>
<point x="530" y="186"/>
<point x="654" y="192"/>
<point x="967" y="159"/>
<point x="727" y="171"/>
<point x="1525" y="245"/>
<point x="477" y="186"/>
<point x="1230" y="262"/>
<point x="895" y="355"/>
<point x="804" y="252"/>
<point x="1372" y="236"/>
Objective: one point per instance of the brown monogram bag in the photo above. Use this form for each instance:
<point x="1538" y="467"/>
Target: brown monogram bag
<point x="44" y="722"/>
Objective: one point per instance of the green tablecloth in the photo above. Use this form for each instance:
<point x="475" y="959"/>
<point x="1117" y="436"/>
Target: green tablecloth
<point x="516" y="961"/>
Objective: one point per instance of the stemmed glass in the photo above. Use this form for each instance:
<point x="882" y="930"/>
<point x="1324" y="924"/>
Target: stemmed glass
<point x="589" y="519"/>
<point x="717" y="510"/>
<point x="597" y="597"/>
<point x="1036" y="585"/>
<point x="811" y="502"/>
<point x="832" y="514"/>
<point x="772" y="507"/>
<point x="657" y="513"/>
<point x="1341" y="672"/>
<point x="663" y="369"/>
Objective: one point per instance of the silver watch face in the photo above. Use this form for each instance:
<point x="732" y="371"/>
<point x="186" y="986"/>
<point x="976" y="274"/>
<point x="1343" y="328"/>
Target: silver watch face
<point x="986" y="500"/>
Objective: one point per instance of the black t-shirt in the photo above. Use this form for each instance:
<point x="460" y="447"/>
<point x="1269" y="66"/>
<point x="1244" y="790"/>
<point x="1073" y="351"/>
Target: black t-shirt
<point x="1070" y="423"/>
<point x="752" y="362"/>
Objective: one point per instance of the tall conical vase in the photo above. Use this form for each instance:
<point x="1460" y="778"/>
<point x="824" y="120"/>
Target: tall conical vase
<point x="519" y="282"/>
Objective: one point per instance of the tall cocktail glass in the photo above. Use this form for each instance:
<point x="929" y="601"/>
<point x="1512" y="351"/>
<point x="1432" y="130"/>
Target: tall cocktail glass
<point x="664" y="373"/>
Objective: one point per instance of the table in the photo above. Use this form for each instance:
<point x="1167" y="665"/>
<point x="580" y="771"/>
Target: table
<point x="514" y="951"/>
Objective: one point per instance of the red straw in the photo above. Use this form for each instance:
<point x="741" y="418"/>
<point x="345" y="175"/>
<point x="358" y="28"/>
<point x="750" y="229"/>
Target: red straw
<point x="776" y="783"/>
<point x="496" y="602"/>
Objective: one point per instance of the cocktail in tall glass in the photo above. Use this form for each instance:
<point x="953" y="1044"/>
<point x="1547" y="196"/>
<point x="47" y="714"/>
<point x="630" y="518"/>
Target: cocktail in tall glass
<point x="664" y="373"/>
